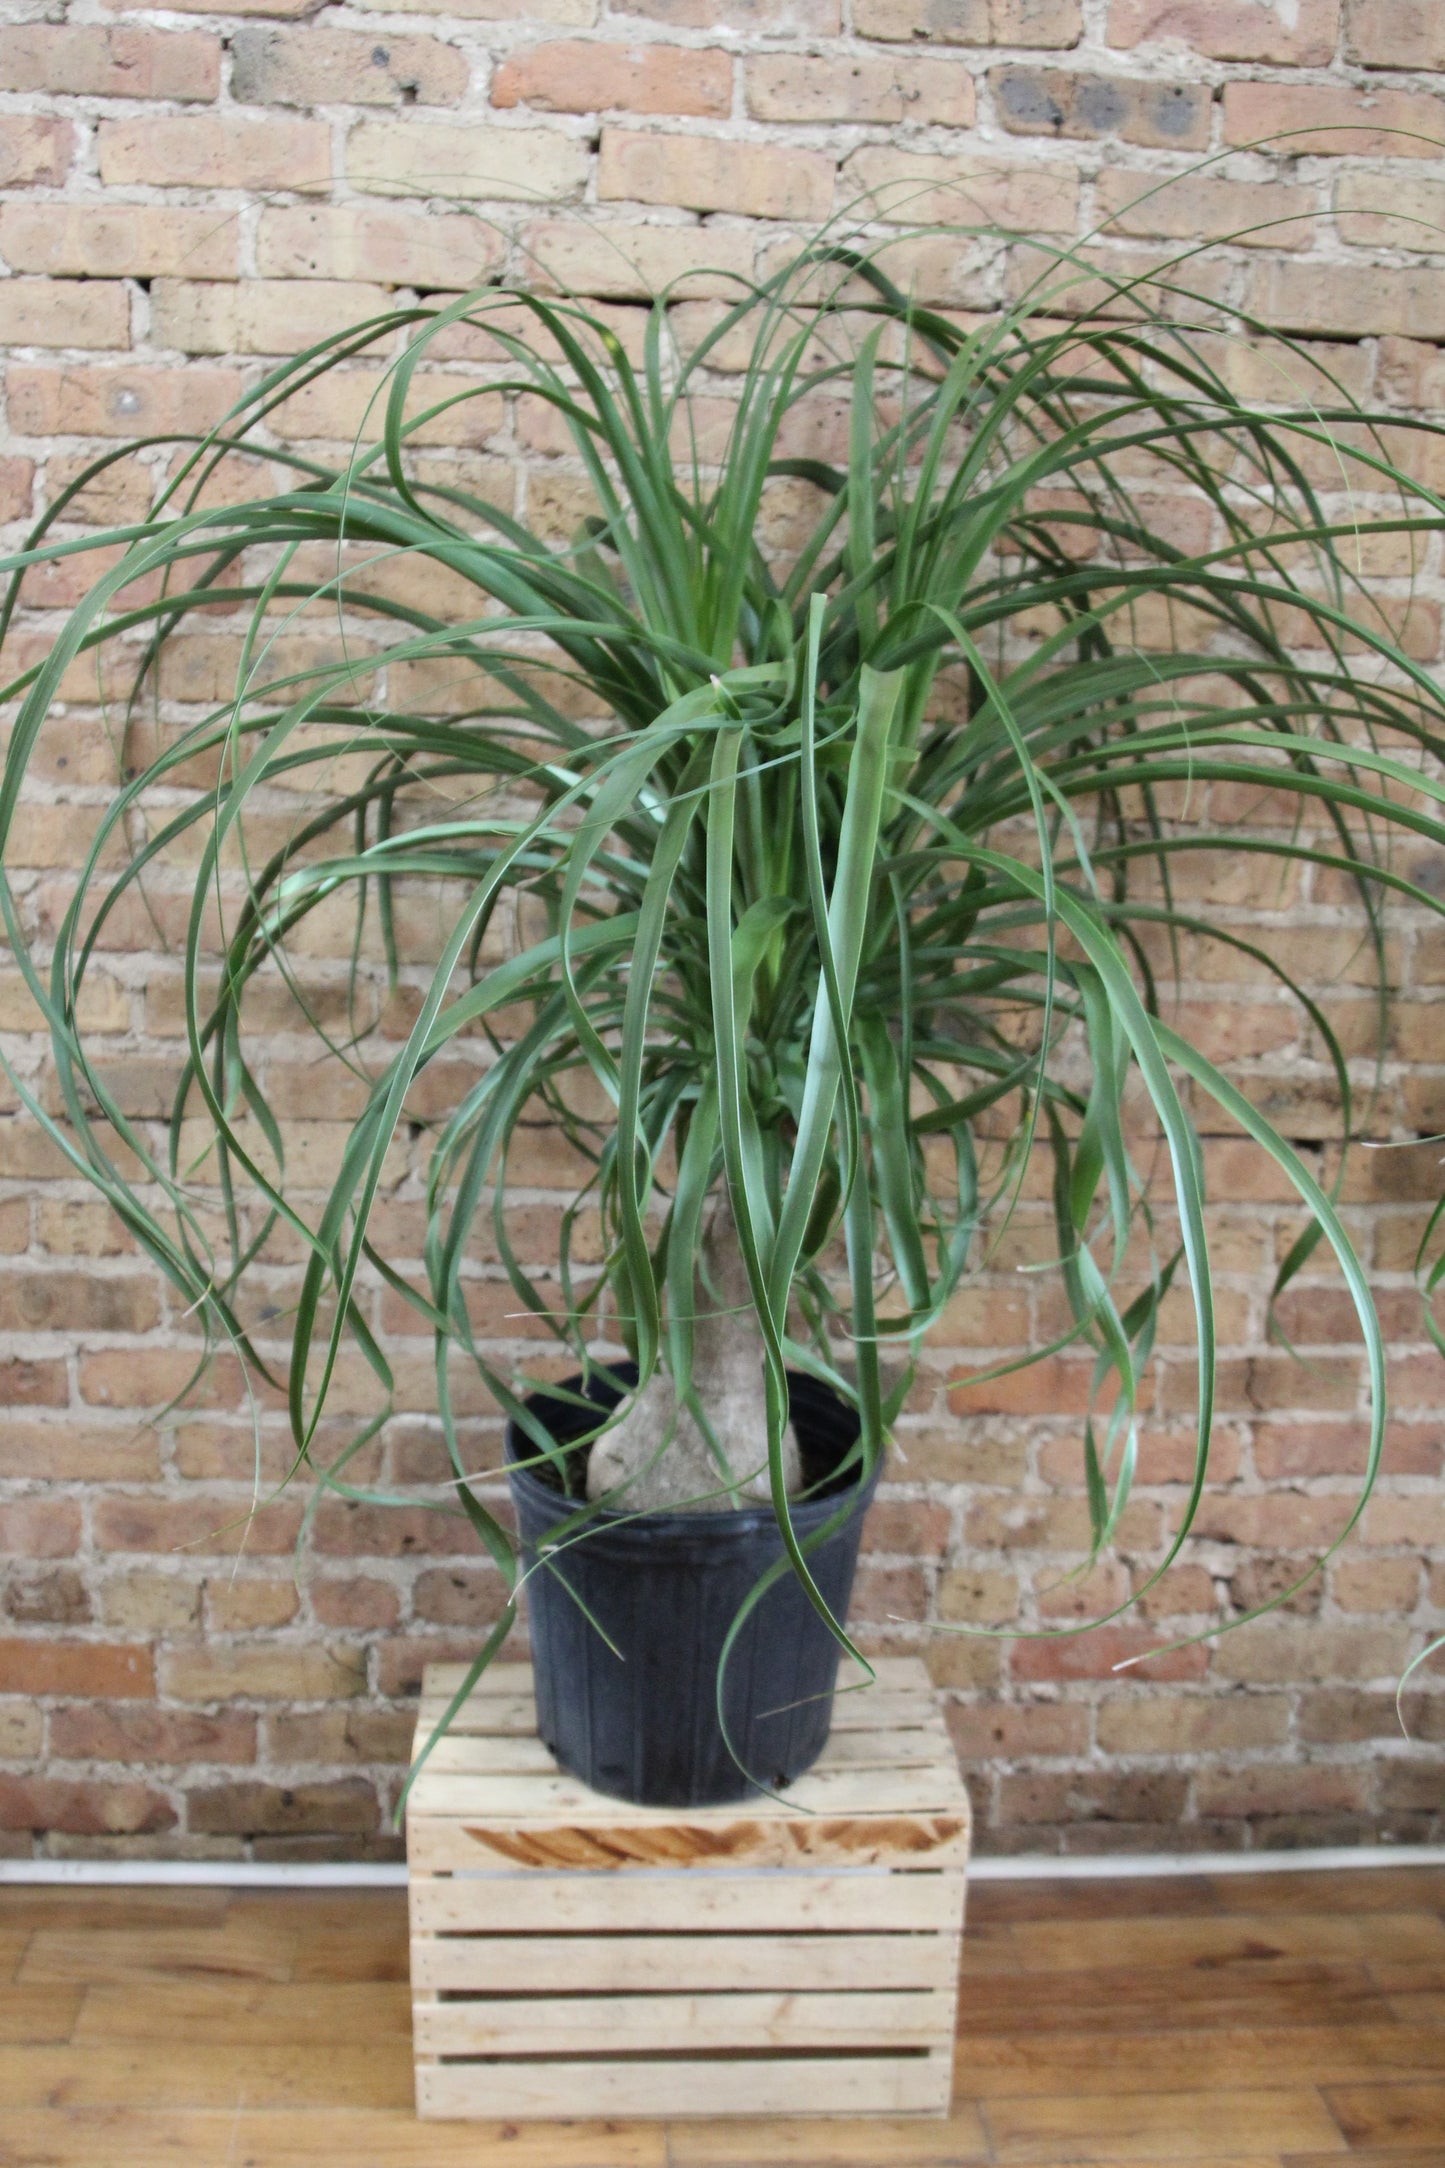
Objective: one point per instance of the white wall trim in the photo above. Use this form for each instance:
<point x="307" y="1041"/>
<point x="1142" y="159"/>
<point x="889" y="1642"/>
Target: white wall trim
<point x="1026" y="1867"/>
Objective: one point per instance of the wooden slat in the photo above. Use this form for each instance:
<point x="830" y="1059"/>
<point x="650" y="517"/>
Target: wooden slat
<point x="564" y="2025"/>
<point x="863" y="2085"/>
<point x="876" y="1708"/>
<point x="442" y="1680"/>
<point x="485" y="1754"/>
<point x="514" y="1903"/>
<point x="444" y="1846"/>
<point x="518" y="1963"/>
<point x="547" y="1797"/>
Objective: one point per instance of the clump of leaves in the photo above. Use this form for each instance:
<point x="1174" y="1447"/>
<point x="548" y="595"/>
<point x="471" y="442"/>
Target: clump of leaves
<point x="838" y="880"/>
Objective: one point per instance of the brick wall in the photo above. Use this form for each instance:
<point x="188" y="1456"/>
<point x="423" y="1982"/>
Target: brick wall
<point x="189" y="191"/>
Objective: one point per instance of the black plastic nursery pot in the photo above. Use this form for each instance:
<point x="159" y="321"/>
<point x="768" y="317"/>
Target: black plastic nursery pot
<point x="642" y="1723"/>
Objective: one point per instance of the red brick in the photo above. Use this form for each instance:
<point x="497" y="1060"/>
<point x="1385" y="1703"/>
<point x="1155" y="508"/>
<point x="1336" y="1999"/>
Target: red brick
<point x="126" y="399"/>
<point x="574" y="75"/>
<point x="33" y="1385"/>
<point x="94" y="1732"/>
<point x="39" y="1528"/>
<point x="35" y="149"/>
<point x="109" y="1669"/>
<point x="85" y="1809"/>
<point x="128" y="61"/>
<point x="1095" y="1655"/>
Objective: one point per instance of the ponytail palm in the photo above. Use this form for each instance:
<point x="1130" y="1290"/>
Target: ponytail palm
<point x="813" y="894"/>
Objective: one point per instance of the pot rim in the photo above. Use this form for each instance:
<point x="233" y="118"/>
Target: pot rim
<point x="717" y="1527"/>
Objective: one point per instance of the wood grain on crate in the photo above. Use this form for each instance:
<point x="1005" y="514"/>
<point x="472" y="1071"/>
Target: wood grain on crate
<point x="575" y="1955"/>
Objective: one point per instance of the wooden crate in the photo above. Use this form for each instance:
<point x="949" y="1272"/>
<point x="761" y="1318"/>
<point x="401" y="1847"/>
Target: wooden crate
<point x="573" y="1955"/>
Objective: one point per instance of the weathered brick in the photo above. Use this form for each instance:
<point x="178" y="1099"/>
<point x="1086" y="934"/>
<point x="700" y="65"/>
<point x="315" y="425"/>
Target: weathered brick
<point x="1272" y="1651"/>
<point x="100" y="240"/>
<point x="1051" y="23"/>
<point x="910" y="187"/>
<point x="1334" y="120"/>
<point x="1360" y="300"/>
<point x="76" y="1302"/>
<point x="22" y="1731"/>
<point x="339" y="406"/>
<point x="320" y="67"/>
<point x="798" y="17"/>
<point x="1395" y="33"/>
<point x="400" y="158"/>
<point x="258" y="316"/>
<point x="267" y="1671"/>
<point x="711" y="173"/>
<point x="214" y="151"/>
<point x="617" y="261"/>
<point x="1067" y="102"/>
<point x="452" y="1596"/>
<point x="389" y="248"/>
<point x="35" y="149"/>
<point x="1256" y="214"/>
<point x="66" y="312"/>
<point x="108" y="1669"/>
<point x="885" y="88"/>
<point x="252" y="1809"/>
<point x="576" y="75"/>
<point x="127" y="61"/>
<point x="571" y="14"/>
<point x="123" y="399"/>
<point x="1194" y="1723"/>
<point x="354" y="1734"/>
<point x="1302" y="35"/>
<point x="1373" y="211"/>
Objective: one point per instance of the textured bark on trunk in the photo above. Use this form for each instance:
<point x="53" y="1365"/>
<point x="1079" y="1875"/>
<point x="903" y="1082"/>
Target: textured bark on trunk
<point x="728" y="1379"/>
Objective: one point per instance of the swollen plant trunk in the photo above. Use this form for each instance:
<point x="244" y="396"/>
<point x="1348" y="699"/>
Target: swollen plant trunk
<point x="658" y="1449"/>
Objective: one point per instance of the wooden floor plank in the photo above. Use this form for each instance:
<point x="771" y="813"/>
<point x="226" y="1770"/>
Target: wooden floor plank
<point x="1157" y="2127"/>
<point x="1063" y="1897"/>
<point x="1351" y="1889"/>
<point x="1276" y="1991"/>
<point x="1390" y="2115"/>
<point x="28" y="1906"/>
<point x="877" y="2141"/>
<point x="39" y="2013"/>
<point x="213" y="2074"/>
<point x="261" y="1950"/>
<point x="247" y="2012"/>
<point x="242" y="2138"/>
<point x="1242" y="1938"/>
<point x="1247" y="2058"/>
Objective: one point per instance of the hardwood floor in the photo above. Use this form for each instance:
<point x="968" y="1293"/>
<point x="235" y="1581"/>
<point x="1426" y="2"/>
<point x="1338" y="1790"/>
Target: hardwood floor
<point x="1258" y="2021"/>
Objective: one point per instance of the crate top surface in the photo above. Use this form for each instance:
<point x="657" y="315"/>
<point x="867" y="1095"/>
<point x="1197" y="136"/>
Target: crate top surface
<point x="889" y="1759"/>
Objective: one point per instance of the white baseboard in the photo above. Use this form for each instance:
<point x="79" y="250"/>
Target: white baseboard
<point x="1024" y="1867"/>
